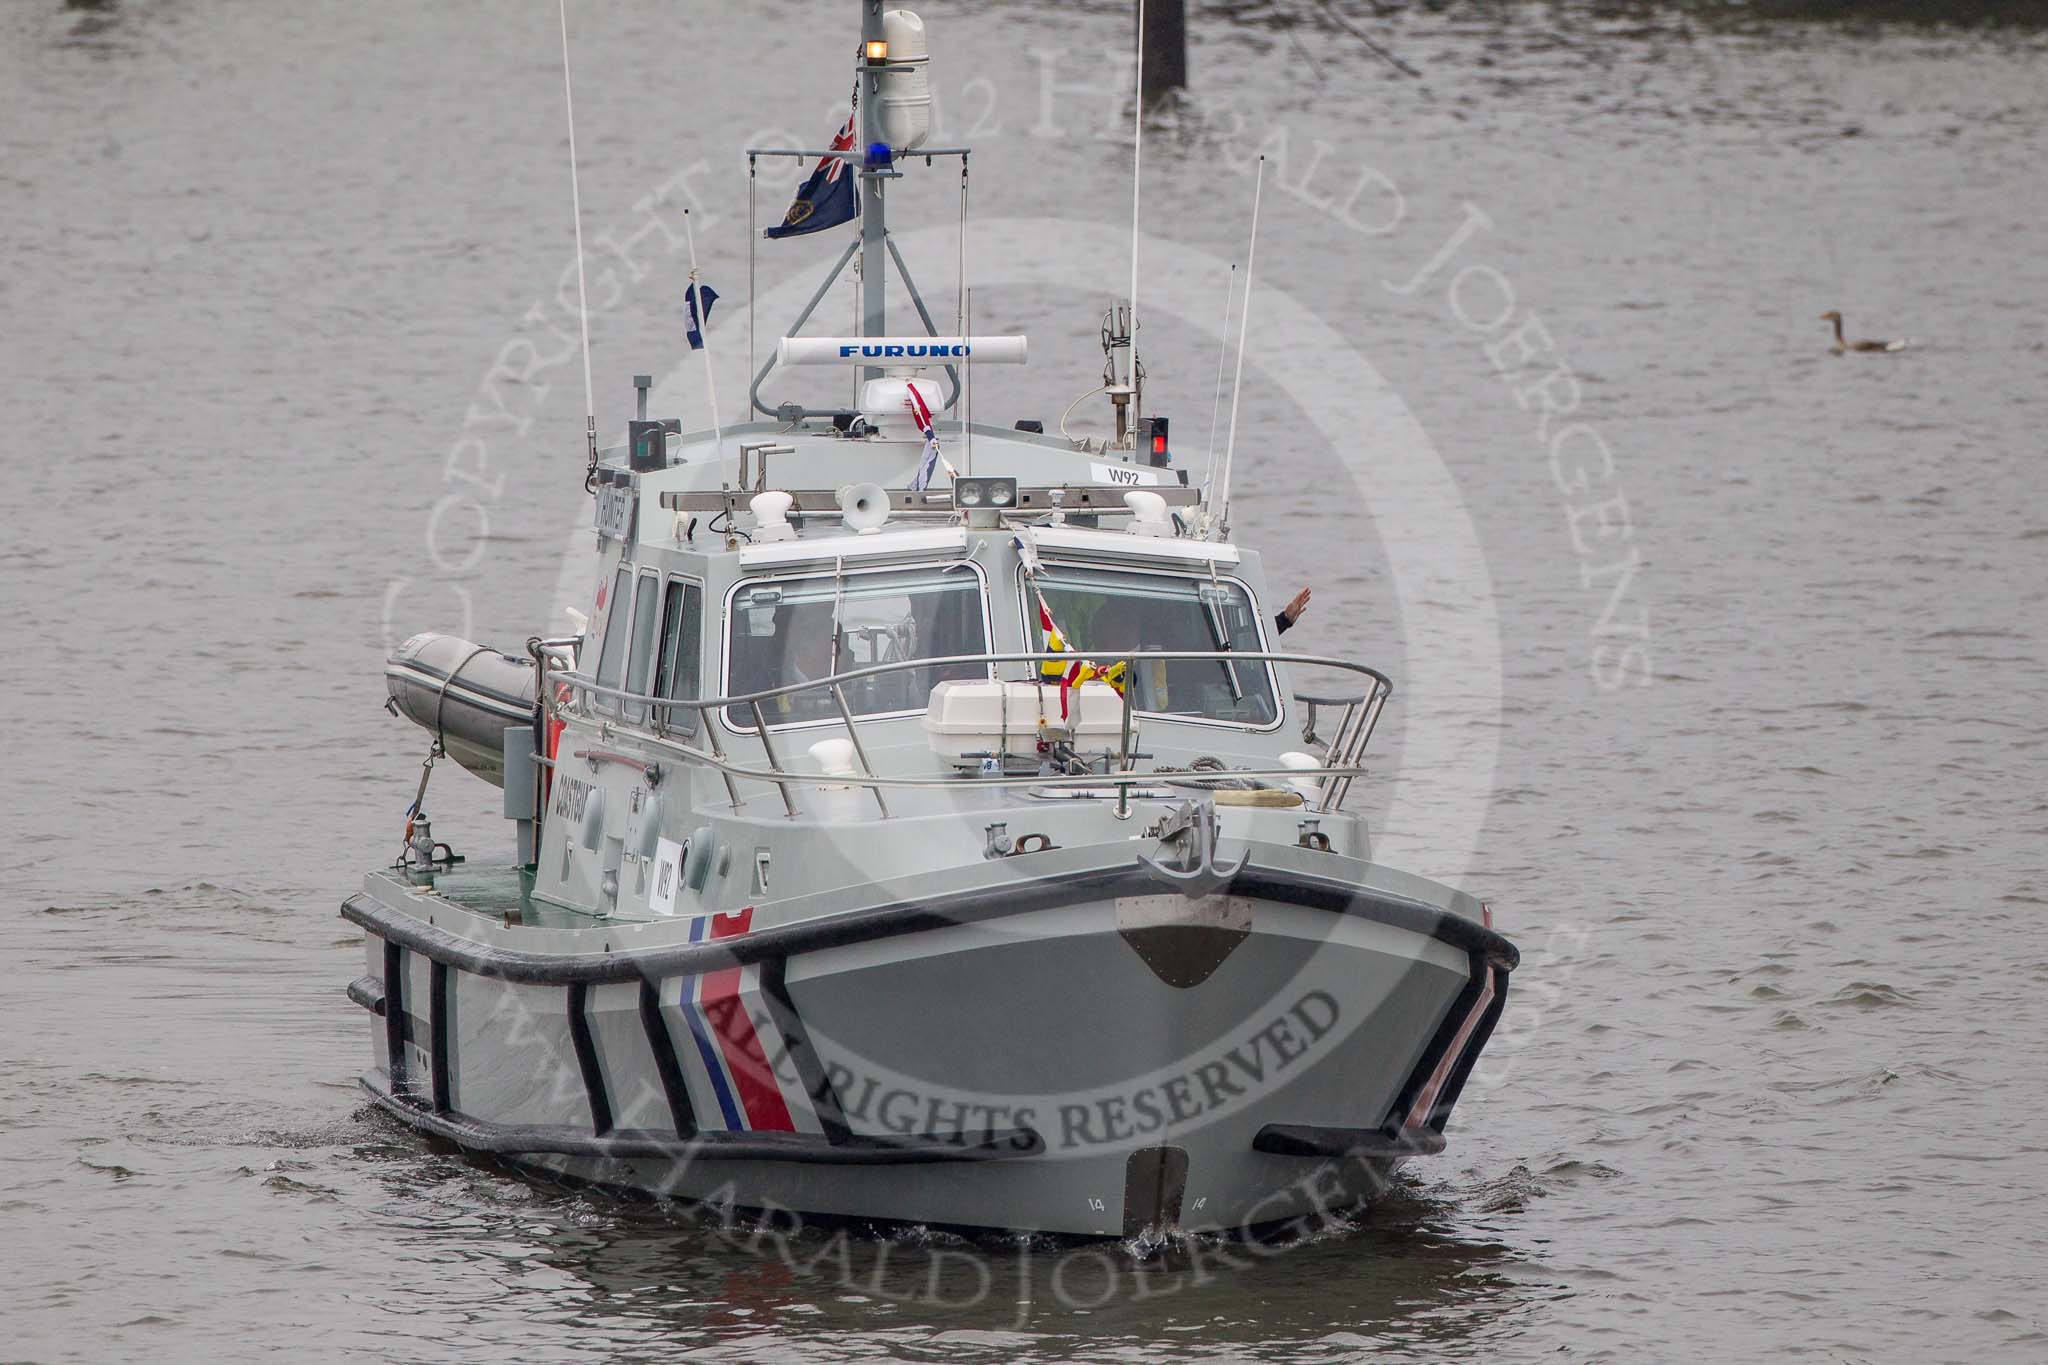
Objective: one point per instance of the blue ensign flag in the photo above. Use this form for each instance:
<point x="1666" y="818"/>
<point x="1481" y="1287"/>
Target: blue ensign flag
<point x="828" y="198"/>
<point x="699" y="315"/>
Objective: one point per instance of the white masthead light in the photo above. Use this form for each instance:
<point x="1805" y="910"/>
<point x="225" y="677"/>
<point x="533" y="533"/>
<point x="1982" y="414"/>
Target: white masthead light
<point x="906" y="85"/>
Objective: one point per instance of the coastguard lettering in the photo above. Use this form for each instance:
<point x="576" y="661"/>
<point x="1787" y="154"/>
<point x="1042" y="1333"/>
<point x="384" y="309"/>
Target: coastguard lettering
<point x="570" y="797"/>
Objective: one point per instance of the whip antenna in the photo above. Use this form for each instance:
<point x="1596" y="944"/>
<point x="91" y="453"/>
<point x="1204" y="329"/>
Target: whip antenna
<point x="1244" y="324"/>
<point x="1216" y="402"/>
<point x="967" y="321"/>
<point x="1137" y="179"/>
<point x="582" y="299"/>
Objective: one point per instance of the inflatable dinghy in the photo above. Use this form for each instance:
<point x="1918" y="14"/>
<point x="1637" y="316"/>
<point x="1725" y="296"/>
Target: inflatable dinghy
<point x="466" y="694"/>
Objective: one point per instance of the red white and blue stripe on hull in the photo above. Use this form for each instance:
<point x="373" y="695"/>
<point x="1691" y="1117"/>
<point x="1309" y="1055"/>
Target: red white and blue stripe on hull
<point x="736" y="1063"/>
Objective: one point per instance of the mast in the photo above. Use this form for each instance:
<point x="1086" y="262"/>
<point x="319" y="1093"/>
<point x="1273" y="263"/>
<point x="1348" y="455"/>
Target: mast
<point x="874" y="268"/>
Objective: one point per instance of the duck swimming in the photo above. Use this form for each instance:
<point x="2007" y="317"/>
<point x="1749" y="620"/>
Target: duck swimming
<point x="1840" y="345"/>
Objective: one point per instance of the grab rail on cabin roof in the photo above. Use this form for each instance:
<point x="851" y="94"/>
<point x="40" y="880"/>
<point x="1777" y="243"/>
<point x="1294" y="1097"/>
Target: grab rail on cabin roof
<point x="1355" y="725"/>
<point x="1344" y="749"/>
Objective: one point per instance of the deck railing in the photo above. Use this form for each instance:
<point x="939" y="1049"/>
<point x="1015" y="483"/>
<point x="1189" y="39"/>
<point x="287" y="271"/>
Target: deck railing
<point x="653" y="721"/>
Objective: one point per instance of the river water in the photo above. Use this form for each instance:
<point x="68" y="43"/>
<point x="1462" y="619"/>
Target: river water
<point x="1768" y="803"/>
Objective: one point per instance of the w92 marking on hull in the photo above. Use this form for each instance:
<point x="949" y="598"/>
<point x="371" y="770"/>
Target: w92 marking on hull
<point x="1123" y="475"/>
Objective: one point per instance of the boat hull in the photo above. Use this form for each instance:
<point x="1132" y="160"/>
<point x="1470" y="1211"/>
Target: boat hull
<point x="1082" y="1055"/>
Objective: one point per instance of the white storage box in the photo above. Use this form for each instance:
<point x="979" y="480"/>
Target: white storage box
<point x="989" y="717"/>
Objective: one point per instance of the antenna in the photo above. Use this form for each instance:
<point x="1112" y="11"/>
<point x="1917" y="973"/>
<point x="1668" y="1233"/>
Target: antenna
<point x="582" y="299"/>
<point x="965" y="303"/>
<point x="704" y="331"/>
<point x="967" y="317"/>
<point x="1137" y="179"/>
<point x="1216" y="403"/>
<point x="1221" y="526"/>
<point x="751" y="352"/>
<point x="960" y="281"/>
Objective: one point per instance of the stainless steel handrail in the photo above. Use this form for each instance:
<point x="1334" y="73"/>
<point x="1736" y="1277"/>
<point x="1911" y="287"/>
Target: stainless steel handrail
<point x="1345" y="748"/>
<point x="859" y="750"/>
<point x="779" y="777"/>
<point x="584" y="682"/>
<point x="1347" y="744"/>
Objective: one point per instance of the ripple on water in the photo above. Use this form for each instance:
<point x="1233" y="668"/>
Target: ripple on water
<point x="1869" y="995"/>
<point x="319" y="1194"/>
<point x="1839" y="1089"/>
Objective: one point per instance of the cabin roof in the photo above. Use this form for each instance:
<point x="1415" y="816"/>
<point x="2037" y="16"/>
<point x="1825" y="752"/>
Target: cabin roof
<point x="698" y="504"/>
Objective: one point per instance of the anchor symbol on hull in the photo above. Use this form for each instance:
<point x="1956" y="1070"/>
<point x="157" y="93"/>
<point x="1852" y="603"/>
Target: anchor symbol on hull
<point x="1188" y="834"/>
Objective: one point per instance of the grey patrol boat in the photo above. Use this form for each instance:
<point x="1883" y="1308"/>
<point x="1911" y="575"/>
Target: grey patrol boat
<point x="914" y="843"/>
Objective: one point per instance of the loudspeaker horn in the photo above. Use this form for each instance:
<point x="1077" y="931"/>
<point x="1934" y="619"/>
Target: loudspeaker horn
<point x="866" y="506"/>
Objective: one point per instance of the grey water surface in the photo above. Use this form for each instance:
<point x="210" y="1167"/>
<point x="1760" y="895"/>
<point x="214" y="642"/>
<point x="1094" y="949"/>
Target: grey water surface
<point x="1770" y="812"/>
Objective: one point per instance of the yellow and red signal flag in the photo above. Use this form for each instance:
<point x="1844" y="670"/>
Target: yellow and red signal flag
<point x="1076" y="671"/>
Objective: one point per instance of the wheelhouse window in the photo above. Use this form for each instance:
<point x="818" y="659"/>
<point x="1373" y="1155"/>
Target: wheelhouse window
<point x="1105" y="613"/>
<point x="795" y="630"/>
<point x="611" y="659"/>
<point x="682" y="634"/>
<point x="641" y="666"/>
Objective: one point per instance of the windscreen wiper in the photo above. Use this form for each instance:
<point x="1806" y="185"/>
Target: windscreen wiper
<point x="1209" y="594"/>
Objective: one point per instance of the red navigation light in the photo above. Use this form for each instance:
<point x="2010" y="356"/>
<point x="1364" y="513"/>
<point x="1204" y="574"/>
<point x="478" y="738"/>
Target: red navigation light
<point x="1155" y="430"/>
